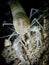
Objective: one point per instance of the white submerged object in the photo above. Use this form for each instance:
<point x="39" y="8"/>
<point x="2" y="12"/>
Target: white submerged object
<point x="28" y="37"/>
<point x="37" y="35"/>
<point x="18" y="52"/>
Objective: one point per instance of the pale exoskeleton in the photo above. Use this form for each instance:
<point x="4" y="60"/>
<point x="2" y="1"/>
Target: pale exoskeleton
<point x="33" y="40"/>
<point x="26" y="44"/>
